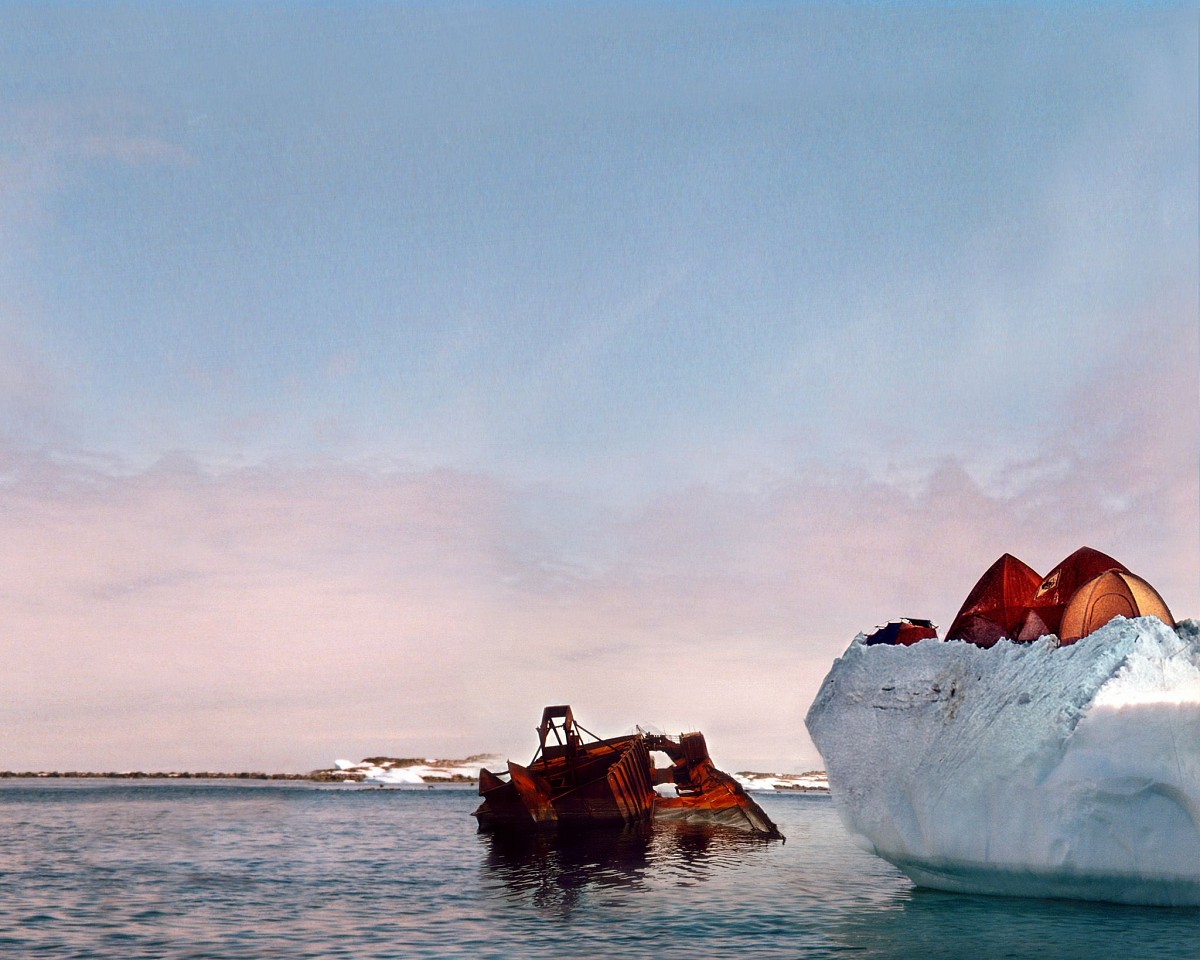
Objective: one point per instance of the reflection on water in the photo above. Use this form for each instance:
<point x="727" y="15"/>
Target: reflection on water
<point x="227" y="872"/>
<point x="551" y="868"/>
<point x="919" y="924"/>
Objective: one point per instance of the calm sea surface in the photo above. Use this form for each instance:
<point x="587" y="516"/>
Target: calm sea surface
<point x="183" y="869"/>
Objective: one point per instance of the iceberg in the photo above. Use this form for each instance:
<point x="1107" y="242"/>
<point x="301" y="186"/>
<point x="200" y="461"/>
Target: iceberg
<point x="1024" y="769"/>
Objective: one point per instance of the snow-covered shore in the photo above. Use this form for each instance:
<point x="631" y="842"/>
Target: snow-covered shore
<point x="393" y="772"/>
<point x="814" y="781"/>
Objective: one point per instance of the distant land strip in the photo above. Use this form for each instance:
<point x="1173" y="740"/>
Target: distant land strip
<point x="156" y="775"/>
<point x="440" y="770"/>
<point x="376" y="772"/>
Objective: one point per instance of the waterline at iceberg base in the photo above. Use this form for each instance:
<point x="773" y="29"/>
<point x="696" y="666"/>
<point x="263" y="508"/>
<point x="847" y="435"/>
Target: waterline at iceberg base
<point x="1024" y="769"/>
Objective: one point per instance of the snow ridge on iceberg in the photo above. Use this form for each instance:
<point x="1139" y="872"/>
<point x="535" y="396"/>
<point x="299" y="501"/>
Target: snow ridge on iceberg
<point x="1024" y="769"/>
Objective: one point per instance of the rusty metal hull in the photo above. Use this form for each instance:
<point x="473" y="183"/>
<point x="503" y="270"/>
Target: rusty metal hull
<point x="704" y="793"/>
<point x="502" y="804"/>
<point x="605" y="787"/>
<point x="573" y="783"/>
<point x="719" y="798"/>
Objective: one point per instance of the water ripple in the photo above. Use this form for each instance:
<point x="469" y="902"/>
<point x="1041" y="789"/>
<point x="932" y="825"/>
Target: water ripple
<point x="230" y="871"/>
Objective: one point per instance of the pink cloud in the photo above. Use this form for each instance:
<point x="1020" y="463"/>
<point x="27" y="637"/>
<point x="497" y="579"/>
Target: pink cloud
<point x="279" y="617"/>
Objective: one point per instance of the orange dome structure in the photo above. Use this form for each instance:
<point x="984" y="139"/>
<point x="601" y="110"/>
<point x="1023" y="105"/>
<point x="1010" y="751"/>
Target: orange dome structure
<point x="1045" y="611"/>
<point x="994" y="607"/>
<point x="1114" y="593"/>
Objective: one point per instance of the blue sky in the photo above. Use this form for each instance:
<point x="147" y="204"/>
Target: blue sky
<point x="621" y="284"/>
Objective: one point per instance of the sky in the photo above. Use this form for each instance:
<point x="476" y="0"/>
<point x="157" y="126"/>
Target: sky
<point x="374" y="375"/>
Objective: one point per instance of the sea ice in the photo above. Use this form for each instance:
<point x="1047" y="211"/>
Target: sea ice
<point x="1024" y="769"/>
<point x="392" y="776"/>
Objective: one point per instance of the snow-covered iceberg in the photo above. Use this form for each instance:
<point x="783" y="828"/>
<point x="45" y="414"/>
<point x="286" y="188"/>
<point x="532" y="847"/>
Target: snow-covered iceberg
<point x="1024" y="769"/>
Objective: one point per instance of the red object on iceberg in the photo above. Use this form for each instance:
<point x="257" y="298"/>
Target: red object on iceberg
<point x="1045" y="612"/>
<point x="902" y="633"/>
<point x="996" y="605"/>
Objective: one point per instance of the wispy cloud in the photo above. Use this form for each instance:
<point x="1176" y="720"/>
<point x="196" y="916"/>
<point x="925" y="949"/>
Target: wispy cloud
<point x="47" y="143"/>
<point x="794" y="350"/>
<point x="34" y="388"/>
<point x="338" y="610"/>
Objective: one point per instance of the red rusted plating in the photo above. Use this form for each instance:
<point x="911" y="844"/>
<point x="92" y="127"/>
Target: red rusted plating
<point x="570" y="781"/>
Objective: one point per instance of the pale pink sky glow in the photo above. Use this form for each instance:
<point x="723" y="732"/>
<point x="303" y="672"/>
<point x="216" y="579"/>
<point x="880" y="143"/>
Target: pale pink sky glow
<point x="631" y="358"/>
<point x="277" y="617"/>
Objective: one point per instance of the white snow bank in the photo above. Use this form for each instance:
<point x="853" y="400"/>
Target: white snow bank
<point x="392" y="776"/>
<point x="1025" y="769"/>
<point x="761" y="784"/>
<point x="765" y="782"/>
<point x="391" y="773"/>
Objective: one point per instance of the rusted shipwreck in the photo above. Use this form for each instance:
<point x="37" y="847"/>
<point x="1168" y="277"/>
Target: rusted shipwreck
<point x="573" y="782"/>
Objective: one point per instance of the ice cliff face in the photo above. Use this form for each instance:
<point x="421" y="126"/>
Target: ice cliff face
<point x="1024" y="769"/>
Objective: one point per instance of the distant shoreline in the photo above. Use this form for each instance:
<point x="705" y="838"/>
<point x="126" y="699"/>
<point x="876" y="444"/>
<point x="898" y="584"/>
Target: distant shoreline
<point x="157" y="775"/>
<point x="316" y="776"/>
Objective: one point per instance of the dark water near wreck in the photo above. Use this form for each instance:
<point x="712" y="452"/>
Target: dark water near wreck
<point x="174" y="870"/>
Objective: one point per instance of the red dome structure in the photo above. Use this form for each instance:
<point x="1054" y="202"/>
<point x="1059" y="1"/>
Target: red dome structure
<point x="1044" y="614"/>
<point x="1010" y="601"/>
<point x="994" y="607"/>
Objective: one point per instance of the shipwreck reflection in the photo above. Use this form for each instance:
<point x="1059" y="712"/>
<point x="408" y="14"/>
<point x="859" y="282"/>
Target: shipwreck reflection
<point x="555" y="868"/>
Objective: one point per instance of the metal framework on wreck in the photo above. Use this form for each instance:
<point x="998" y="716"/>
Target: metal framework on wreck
<point x="571" y="782"/>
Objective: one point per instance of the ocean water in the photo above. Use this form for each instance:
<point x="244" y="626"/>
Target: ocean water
<point x="188" y="869"/>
